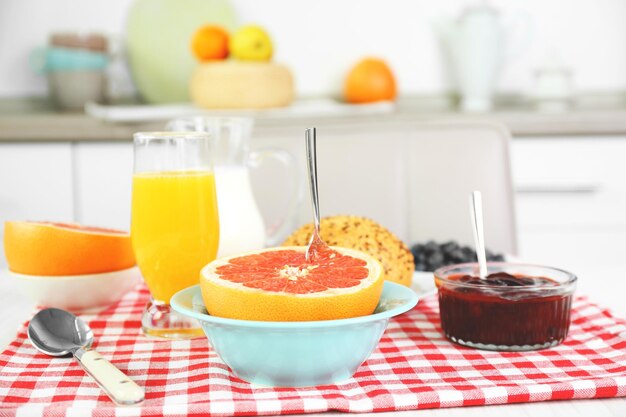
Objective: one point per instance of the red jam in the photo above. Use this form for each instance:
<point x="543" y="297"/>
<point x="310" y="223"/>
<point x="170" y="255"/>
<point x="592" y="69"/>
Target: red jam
<point x="503" y="311"/>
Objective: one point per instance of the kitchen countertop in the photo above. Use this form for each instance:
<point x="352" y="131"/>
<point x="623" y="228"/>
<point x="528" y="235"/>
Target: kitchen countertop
<point x="34" y="120"/>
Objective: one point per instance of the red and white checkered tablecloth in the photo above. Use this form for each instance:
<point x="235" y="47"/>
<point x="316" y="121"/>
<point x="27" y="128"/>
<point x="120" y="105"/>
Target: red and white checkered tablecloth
<point x="414" y="367"/>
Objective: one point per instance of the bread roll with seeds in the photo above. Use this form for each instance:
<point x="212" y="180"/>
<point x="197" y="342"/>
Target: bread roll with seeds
<point x="366" y="235"/>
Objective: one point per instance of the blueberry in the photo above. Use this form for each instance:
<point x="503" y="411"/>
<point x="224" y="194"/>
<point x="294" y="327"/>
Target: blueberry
<point x="469" y="253"/>
<point x="418" y="247"/>
<point x="431" y="247"/>
<point x="429" y="256"/>
<point x="435" y="261"/>
<point x="449" y="246"/>
<point x="457" y="256"/>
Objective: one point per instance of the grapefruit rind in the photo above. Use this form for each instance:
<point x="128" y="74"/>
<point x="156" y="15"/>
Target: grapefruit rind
<point x="64" y="249"/>
<point x="224" y="298"/>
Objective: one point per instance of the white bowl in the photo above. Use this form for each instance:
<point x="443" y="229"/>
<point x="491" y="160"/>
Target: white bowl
<point x="76" y="293"/>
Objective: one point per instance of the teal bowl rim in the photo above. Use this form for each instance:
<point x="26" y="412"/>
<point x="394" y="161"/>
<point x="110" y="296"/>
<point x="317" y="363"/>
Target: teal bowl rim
<point x="405" y="294"/>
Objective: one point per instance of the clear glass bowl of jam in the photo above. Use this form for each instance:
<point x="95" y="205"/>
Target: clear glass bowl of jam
<point x="517" y="307"/>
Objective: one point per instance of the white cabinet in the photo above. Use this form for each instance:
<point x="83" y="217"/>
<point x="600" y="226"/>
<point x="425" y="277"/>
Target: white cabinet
<point x="571" y="181"/>
<point x="571" y="200"/>
<point x="103" y="183"/>
<point x="415" y="179"/>
<point x="36" y="183"/>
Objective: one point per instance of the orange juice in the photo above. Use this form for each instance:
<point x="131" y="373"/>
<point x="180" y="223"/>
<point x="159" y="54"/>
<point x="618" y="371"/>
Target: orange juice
<point x="174" y="228"/>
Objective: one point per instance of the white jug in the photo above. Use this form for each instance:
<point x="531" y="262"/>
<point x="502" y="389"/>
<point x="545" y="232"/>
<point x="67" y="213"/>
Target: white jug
<point x="242" y="227"/>
<point x="479" y="42"/>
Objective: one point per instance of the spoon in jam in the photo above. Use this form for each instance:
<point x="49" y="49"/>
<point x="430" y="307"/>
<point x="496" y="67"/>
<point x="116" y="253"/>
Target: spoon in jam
<point x="479" y="233"/>
<point x="316" y="244"/>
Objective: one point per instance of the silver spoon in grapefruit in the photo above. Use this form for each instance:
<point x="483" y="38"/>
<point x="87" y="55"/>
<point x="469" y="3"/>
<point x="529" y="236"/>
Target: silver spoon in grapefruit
<point x="316" y="244"/>
<point x="297" y="283"/>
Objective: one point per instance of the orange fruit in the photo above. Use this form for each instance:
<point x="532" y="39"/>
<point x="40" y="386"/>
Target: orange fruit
<point x="368" y="81"/>
<point x="49" y="249"/>
<point x="210" y="42"/>
<point x="278" y="284"/>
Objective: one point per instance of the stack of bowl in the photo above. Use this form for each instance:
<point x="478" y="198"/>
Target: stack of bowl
<point x="75" y="66"/>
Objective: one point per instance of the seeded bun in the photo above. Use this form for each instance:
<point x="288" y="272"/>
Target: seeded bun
<point x="366" y="235"/>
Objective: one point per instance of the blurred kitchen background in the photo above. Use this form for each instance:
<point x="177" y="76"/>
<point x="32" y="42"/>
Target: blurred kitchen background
<point x="552" y="72"/>
<point x="320" y="40"/>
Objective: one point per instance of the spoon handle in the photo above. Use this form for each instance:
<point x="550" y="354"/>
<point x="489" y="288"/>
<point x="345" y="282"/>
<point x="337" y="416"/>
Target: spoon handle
<point x="118" y="386"/>
<point x="316" y="244"/>
<point x="311" y="154"/>
<point x="479" y="234"/>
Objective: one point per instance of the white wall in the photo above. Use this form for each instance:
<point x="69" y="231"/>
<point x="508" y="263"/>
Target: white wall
<point x="320" y="39"/>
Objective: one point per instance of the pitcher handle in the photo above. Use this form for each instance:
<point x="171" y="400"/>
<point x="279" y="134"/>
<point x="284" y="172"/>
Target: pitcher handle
<point x="277" y="229"/>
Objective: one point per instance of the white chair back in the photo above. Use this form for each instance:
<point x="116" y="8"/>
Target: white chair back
<point x="414" y="178"/>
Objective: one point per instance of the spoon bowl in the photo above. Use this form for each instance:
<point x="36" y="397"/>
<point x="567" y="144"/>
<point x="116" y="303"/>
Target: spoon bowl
<point x="57" y="332"/>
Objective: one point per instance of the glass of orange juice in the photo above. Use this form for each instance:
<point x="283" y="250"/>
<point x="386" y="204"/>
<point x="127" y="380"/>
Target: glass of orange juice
<point x="174" y="224"/>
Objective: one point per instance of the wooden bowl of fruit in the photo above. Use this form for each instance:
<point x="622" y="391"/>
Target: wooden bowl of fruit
<point x="236" y="72"/>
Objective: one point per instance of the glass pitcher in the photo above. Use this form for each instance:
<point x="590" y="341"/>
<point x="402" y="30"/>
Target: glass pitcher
<point x="242" y="227"/>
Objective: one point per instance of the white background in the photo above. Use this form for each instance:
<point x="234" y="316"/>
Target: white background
<point x="320" y="39"/>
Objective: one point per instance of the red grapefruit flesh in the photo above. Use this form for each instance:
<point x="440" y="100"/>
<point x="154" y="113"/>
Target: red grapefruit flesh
<point x="278" y="284"/>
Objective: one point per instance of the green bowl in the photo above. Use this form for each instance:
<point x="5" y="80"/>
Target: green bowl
<point x="296" y="354"/>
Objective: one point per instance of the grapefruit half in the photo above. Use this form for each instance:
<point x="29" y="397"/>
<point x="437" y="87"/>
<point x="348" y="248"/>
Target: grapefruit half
<point x="278" y="284"/>
<point x="49" y="249"/>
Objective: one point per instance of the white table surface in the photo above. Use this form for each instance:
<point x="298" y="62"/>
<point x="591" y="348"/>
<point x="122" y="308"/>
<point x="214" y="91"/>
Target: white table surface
<point x="15" y="309"/>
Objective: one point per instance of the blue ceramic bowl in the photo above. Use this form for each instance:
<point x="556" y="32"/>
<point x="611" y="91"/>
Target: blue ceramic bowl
<point x="296" y="354"/>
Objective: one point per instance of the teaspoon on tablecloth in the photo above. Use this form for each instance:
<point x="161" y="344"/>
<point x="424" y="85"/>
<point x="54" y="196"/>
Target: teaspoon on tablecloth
<point x="57" y="332"/>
